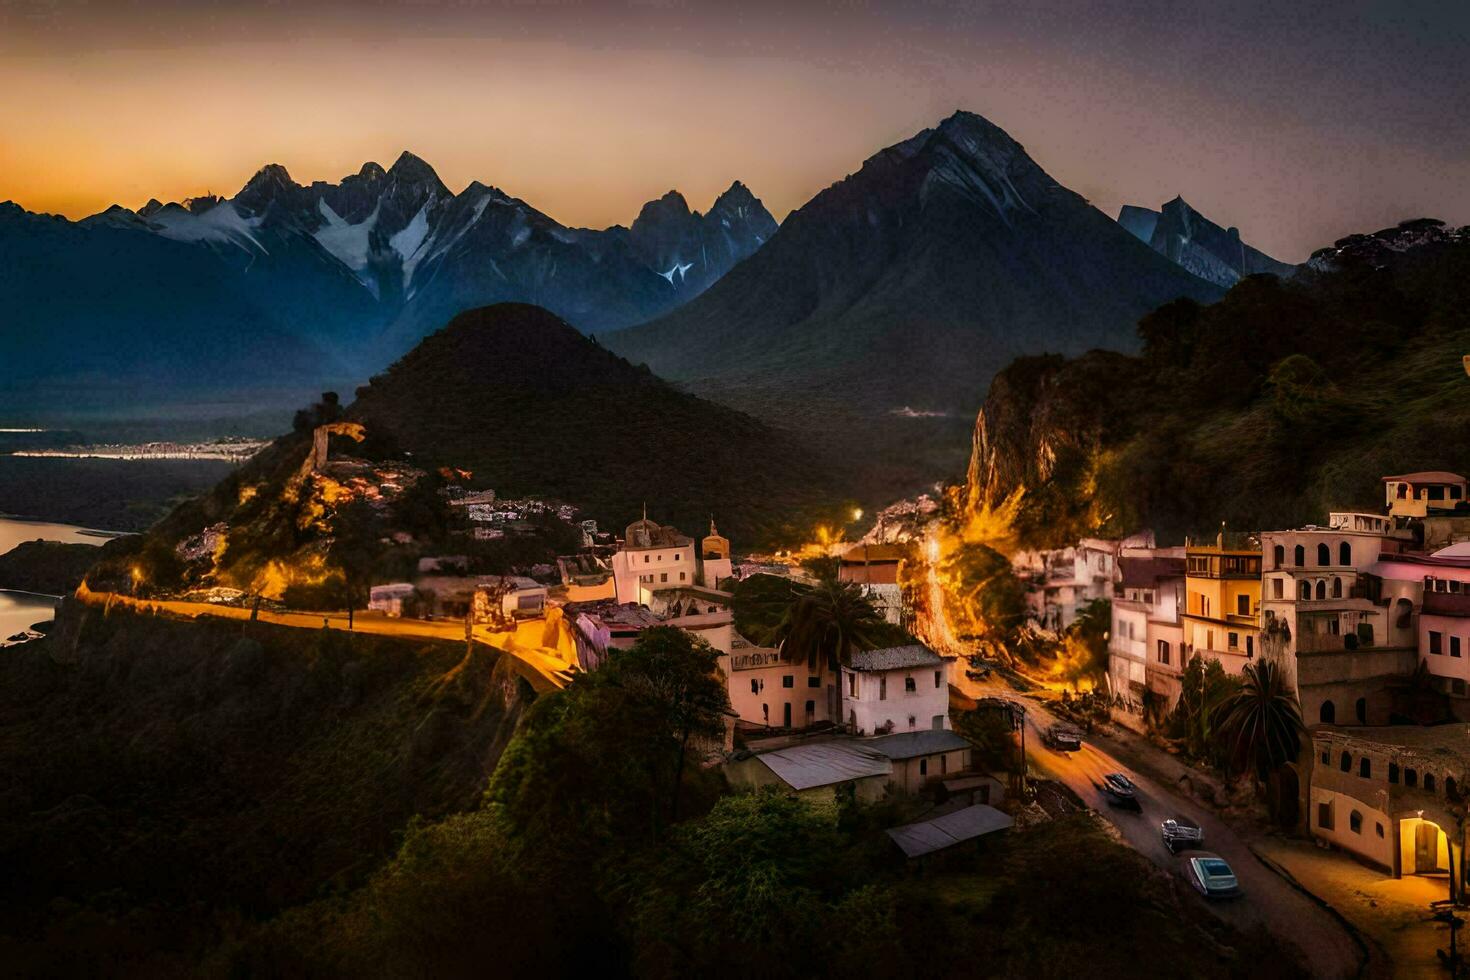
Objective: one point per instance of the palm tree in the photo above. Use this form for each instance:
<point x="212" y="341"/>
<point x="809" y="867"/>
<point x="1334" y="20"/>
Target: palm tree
<point x="1261" y="722"/>
<point x="827" y="621"/>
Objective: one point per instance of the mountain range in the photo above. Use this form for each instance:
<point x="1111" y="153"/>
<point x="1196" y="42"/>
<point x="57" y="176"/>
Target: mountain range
<point x="1184" y="236"/>
<point x="287" y="282"/>
<point x="889" y="300"/>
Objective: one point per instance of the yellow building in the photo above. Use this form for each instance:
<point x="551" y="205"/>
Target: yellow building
<point x="1222" y="608"/>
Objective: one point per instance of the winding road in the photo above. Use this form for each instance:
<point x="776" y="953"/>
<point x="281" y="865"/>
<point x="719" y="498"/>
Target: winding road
<point x="1268" y="900"/>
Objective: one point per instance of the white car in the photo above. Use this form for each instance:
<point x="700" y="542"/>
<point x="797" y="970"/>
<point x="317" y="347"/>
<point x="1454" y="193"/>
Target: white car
<point x="1211" y="876"/>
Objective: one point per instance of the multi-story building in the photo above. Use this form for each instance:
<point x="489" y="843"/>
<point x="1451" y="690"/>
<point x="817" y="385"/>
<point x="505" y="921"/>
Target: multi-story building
<point x="1388" y="794"/>
<point x="1146" y="637"/>
<point x="1060" y="582"/>
<point x="1419" y="494"/>
<point x="1222" y="587"/>
<point x="897" y="689"/>
<point x="1326" y="621"/>
<point x="652" y="556"/>
<point x="875" y="568"/>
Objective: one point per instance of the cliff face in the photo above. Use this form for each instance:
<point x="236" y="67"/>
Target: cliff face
<point x="169" y="773"/>
<point x="1041" y="415"/>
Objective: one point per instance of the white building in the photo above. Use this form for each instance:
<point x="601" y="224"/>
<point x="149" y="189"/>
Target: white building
<point x="1060" y="582"/>
<point x="897" y="689"/>
<point x="389" y="599"/>
<point x="1146" y="637"/>
<point x="651" y="557"/>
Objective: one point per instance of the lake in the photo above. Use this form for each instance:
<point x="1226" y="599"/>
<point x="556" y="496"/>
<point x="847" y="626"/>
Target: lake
<point x="18" y="610"/>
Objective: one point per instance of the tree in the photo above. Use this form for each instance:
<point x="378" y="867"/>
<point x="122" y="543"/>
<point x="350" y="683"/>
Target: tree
<point x="355" y="548"/>
<point x="1260" y="723"/>
<point x="1204" y="685"/>
<point x="826" y="622"/>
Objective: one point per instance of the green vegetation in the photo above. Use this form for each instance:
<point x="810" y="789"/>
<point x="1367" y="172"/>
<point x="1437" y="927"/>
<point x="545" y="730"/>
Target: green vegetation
<point x="1267" y="409"/>
<point x="825" y="621"/>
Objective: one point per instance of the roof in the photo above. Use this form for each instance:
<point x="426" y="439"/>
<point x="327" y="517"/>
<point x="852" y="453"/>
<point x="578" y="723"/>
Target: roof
<point x="896" y="658"/>
<point x="911" y="745"/>
<point x="1427" y="476"/>
<point x="928" y="836"/>
<point x="1145" y="573"/>
<point x="876" y="552"/>
<point x="645" y="534"/>
<point x="825" y="763"/>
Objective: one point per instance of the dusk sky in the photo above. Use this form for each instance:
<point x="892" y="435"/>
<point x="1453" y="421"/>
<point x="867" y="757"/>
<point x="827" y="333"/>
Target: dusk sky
<point x="1297" y="122"/>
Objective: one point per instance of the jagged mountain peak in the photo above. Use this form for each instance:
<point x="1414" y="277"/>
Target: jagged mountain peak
<point x="1188" y="238"/>
<point x="153" y="206"/>
<point x="372" y="171"/>
<point x="413" y="169"/>
<point x="671" y="205"/>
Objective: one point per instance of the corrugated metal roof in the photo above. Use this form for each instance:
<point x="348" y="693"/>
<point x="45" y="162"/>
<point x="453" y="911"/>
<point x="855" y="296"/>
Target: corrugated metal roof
<point x="910" y="745"/>
<point x="896" y="658"/>
<point x="928" y="836"/>
<point x="825" y="763"/>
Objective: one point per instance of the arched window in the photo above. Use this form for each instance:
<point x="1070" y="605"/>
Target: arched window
<point x="1337" y="588"/>
<point x="1327" y="714"/>
<point x="1304" y="589"/>
<point x="1365" y="768"/>
<point x="1393" y="772"/>
<point x="1411" y="777"/>
<point x="1361" y="710"/>
<point x="1429" y="782"/>
<point x="1278" y="556"/>
<point x="1321" y="588"/>
<point x="1345" y="763"/>
<point x="1324" y="554"/>
<point x="1300" y="555"/>
<point x="1345" y="553"/>
<point x="1355" y="822"/>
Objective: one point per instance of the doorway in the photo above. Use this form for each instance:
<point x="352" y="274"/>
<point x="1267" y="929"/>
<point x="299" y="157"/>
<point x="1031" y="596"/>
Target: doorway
<point x="1427" y="849"/>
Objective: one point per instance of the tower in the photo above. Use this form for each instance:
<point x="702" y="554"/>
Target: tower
<point x="715" y="552"/>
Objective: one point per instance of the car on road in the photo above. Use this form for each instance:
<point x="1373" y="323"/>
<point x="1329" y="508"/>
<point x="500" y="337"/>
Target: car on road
<point x="1120" y="791"/>
<point x="1063" y="737"/>
<point x="1181" y="834"/>
<point x="1211" y="876"/>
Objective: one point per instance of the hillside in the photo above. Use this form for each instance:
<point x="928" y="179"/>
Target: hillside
<point x="881" y="308"/>
<point x="1284" y="400"/>
<point x="162" y="782"/>
<point x="531" y="406"/>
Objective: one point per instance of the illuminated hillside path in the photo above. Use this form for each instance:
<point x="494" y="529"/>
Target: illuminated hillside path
<point x="543" y="647"/>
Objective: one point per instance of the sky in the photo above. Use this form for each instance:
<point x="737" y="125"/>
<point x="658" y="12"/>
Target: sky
<point x="1297" y="121"/>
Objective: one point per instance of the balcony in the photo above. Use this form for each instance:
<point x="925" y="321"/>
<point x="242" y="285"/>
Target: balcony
<point x="1446" y="604"/>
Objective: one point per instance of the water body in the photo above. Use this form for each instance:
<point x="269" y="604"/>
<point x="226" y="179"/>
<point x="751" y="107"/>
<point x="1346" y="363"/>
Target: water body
<point x="19" y="610"/>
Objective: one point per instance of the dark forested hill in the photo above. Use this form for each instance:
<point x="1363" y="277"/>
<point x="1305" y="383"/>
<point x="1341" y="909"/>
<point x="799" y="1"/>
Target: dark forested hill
<point x="1267" y="409"/>
<point x="519" y="397"/>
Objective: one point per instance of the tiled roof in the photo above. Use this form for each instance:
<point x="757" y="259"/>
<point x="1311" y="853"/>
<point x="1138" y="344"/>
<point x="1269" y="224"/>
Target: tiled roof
<point x="911" y="745"/>
<point x="896" y="658"/>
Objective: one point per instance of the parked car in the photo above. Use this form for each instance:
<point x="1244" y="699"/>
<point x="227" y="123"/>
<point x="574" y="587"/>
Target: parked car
<point x="983" y="674"/>
<point x="1120" y="791"/>
<point x="1181" y="834"/>
<point x="1211" y="876"/>
<point x="1063" y="737"/>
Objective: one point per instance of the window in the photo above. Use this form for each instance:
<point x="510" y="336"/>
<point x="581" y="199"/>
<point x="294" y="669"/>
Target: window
<point x="937" y="681"/>
<point x="676" y="556"/>
<point x="882" y="688"/>
<point x="1449" y="788"/>
<point x="1429" y="782"/>
<point x="1250" y="646"/>
<point x="1365" y="768"/>
<point x="1345" y="554"/>
<point x="1436" y="493"/>
<point x="681" y="576"/>
<point x="813" y="682"/>
<point x="1243" y="604"/>
<point x="1327" y="714"/>
<point x="1304" y="590"/>
<point x="1326" y="757"/>
<point x="1355" y="822"/>
<point x="1278" y="588"/>
<point x="913" y="722"/>
<point x="1361" y="710"/>
<point x="1322" y="589"/>
<point x="1300" y="554"/>
<point x="1324" y="555"/>
<point x="943" y="764"/>
<point x="1278" y="556"/>
<point x="1163" y="651"/>
<point x="1345" y="763"/>
<point x="788" y="680"/>
<point x="1393" y="773"/>
<point x="1232" y="640"/>
<point x="1411" y="778"/>
<point x="786" y="715"/>
<point x="937" y="723"/>
<point x="663" y="576"/>
<point x="1379" y="827"/>
<point x="645" y="559"/>
<point x="1324" y="816"/>
<point x="1436" y="641"/>
<point x="1454" y="646"/>
<point x="909" y="686"/>
<point x="923" y="767"/>
<point x="755" y="687"/>
<point x="1337" y="588"/>
<point x="852" y="685"/>
<point x="811" y="709"/>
